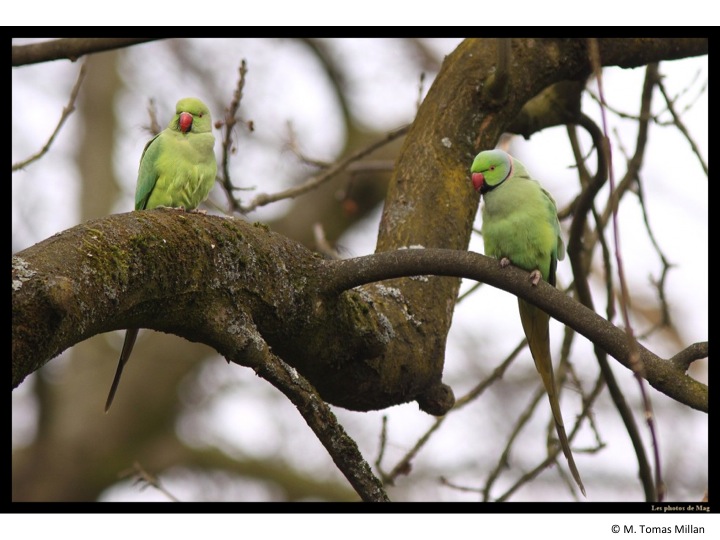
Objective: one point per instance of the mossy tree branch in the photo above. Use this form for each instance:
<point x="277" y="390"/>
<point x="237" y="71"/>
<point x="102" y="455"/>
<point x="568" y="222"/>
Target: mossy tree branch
<point x="237" y="287"/>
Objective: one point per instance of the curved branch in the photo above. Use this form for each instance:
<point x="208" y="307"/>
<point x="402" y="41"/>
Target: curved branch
<point x="350" y="273"/>
<point x="576" y="253"/>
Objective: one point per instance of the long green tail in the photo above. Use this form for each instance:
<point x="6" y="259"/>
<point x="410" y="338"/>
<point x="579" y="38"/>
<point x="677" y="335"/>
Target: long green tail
<point x="536" y="324"/>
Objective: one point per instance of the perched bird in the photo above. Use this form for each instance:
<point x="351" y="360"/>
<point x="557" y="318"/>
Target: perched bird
<point x="520" y="226"/>
<point x="177" y="170"/>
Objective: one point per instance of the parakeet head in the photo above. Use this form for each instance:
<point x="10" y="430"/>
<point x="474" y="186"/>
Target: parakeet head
<point x="191" y="115"/>
<point x="490" y="168"/>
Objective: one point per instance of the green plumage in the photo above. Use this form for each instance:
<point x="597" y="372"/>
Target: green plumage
<point x="177" y="170"/>
<point x="520" y="226"/>
<point x="178" y="167"/>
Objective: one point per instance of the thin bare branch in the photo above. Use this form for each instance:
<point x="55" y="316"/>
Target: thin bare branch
<point x="383" y="444"/>
<point x="502" y="464"/>
<point x="67" y="111"/>
<point x="155" y="127"/>
<point x="665" y="320"/>
<point x="322" y="244"/>
<point x="696" y="351"/>
<point x="148" y="479"/>
<point x="681" y="125"/>
<point x="421" y="88"/>
<point x="229" y="122"/>
<point x="263" y="199"/>
<point x="553" y="455"/>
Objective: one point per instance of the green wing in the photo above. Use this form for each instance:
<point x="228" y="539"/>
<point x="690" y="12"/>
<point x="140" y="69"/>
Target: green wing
<point x="148" y="173"/>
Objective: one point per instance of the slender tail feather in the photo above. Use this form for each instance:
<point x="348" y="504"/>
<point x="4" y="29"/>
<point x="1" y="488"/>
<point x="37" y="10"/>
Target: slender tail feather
<point x="130" y="337"/>
<point x="536" y="324"/>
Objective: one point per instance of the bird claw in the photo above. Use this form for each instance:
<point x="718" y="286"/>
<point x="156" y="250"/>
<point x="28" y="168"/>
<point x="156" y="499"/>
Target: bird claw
<point x="196" y="211"/>
<point x="535" y="275"/>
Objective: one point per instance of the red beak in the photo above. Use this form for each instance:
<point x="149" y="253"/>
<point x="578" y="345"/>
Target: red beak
<point x="185" y="122"/>
<point x="478" y="180"/>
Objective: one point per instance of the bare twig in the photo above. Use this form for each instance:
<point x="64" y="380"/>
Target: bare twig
<point x="584" y="205"/>
<point x="680" y="125"/>
<point x="263" y="199"/>
<point x="383" y="443"/>
<point x="553" y="455"/>
<point x="148" y="479"/>
<point x="445" y="482"/>
<point x="687" y="356"/>
<point x="421" y="88"/>
<point x="553" y="450"/>
<point x="67" y="111"/>
<point x="665" y="320"/>
<point x="467" y="293"/>
<point x="229" y="122"/>
<point x="294" y="147"/>
<point x="502" y="464"/>
<point x="155" y="127"/>
<point x="404" y="464"/>
<point x="322" y="244"/>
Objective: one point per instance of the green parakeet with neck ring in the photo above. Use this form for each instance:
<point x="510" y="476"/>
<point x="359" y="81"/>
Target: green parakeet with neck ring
<point x="520" y="226"/>
<point x="177" y="170"/>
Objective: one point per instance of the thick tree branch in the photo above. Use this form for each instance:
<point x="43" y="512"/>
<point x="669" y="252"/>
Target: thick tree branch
<point x="236" y="286"/>
<point x="68" y="49"/>
<point x="222" y="282"/>
<point x="352" y="272"/>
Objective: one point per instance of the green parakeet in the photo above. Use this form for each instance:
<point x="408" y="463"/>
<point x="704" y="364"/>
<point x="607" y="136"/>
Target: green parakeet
<point x="177" y="170"/>
<point x="520" y="226"/>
